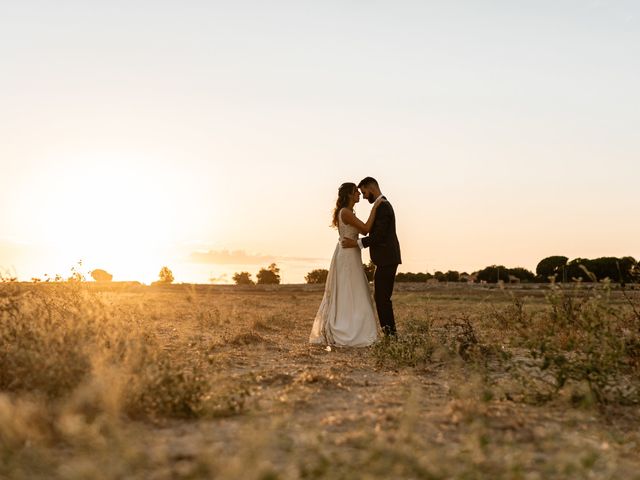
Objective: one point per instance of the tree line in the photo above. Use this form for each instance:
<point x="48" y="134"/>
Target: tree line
<point x="265" y="276"/>
<point x="556" y="268"/>
<point x="560" y="269"/>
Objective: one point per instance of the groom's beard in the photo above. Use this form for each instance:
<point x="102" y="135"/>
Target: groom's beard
<point x="370" y="198"/>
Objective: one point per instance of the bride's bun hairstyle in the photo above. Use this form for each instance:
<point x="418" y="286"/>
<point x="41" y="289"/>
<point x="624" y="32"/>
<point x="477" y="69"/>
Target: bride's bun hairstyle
<point x="344" y="192"/>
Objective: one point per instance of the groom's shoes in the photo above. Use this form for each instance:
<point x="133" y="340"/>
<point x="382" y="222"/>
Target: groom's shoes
<point x="390" y="332"/>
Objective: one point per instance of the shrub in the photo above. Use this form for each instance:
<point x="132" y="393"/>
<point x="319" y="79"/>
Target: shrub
<point x="243" y="278"/>
<point x="100" y="275"/>
<point x="165" y="275"/>
<point x="162" y="385"/>
<point x="582" y="339"/>
<point x="317" y="276"/>
<point x="48" y="335"/>
<point x="414" y="348"/>
<point x="269" y="276"/>
<point x="58" y="338"/>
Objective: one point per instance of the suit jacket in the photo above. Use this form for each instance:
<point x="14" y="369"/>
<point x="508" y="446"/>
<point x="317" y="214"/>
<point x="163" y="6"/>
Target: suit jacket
<point x="382" y="239"/>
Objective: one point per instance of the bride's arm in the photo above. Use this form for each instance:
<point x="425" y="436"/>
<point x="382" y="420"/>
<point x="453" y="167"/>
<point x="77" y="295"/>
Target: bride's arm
<point x="350" y="218"/>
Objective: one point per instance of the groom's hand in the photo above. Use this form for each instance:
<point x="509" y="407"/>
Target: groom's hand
<point x="349" y="243"/>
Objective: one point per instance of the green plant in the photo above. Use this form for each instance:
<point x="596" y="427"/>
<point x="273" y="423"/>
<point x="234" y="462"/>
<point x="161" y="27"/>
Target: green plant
<point x="582" y="338"/>
<point x="413" y="348"/>
<point x="162" y="385"/>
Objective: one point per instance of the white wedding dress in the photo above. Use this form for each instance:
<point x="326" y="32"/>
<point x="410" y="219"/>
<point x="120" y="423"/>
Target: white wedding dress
<point x="346" y="314"/>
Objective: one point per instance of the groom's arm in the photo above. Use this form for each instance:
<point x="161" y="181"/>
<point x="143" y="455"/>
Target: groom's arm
<point x="350" y="243"/>
<point x="378" y="234"/>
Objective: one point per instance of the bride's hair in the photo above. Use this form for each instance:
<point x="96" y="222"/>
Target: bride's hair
<point x="344" y="192"/>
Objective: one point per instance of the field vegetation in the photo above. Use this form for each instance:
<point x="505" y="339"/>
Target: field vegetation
<point x="182" y="381"/>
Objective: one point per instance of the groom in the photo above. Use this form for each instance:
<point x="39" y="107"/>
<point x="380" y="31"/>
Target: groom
<point x="385" y="253"/>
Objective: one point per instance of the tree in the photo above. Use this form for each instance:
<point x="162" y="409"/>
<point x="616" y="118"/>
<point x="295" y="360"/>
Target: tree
<point x="243" y="278"/>
<point x="269" y="276"/>
<point x="635" y="272"/>
<point x="522" y="274"/>
<point x="628" y="270"/>
<point x="318" y="275"/>
<point x="579" y="269"/>
<point x="452" y="276"/>
<point x="165" y="275"/>
<point x="465" y="277"/>
<point x="605" y="267"/>
<point x="100" y="275"/>
<point x="552" y="267"/>
<point x="597" y="269"/>
<point x="616" y="269"/>
<point x="494" y="273"/>
<point x="413" y="277"/>
<point x="369" y="270"/>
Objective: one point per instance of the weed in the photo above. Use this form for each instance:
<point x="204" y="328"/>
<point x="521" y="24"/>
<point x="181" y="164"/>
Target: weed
<point x="412" y="349"/>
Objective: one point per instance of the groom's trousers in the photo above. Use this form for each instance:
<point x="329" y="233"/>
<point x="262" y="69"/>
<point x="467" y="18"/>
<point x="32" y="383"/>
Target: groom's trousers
<point x="383" y="289"/>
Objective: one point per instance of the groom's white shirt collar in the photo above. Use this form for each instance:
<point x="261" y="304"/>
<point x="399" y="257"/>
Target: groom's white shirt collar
<point x="360" y="239"/>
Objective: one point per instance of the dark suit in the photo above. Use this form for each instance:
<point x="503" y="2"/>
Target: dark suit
<point x="385" y="254"/>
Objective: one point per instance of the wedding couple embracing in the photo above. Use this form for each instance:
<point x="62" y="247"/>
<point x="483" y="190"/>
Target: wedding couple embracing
<point x="346" y="315"/>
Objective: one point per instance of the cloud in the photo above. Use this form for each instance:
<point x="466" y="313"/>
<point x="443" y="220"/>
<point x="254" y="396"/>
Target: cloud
<point x="300" y="259"/>
<point x="226" y="257"/>
<point x="224" y="278"/>
<point x="240" y="257"/>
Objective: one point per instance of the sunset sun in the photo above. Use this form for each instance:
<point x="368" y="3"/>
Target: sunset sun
<point x="114" y="213"/>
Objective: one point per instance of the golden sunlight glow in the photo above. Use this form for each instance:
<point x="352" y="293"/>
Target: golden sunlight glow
<point x="114" y="213"/>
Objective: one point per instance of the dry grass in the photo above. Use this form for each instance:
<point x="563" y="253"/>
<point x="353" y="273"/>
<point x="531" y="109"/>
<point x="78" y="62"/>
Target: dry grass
<point x="215" y="382"/>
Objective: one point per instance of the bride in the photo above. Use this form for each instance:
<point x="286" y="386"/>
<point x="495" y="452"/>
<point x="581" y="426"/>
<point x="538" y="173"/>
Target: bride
<point x="346" y="314"/>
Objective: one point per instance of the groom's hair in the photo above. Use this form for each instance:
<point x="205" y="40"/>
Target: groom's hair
<point x="368" y="181"/>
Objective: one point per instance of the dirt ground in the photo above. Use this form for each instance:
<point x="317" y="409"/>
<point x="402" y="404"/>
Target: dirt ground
<point x="277" y="407"/>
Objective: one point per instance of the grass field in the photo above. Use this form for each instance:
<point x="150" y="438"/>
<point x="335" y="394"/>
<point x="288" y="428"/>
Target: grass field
<point x="126" y="381"/>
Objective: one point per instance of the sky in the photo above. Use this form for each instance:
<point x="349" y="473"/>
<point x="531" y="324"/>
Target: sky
<point x="212" y="137"/>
